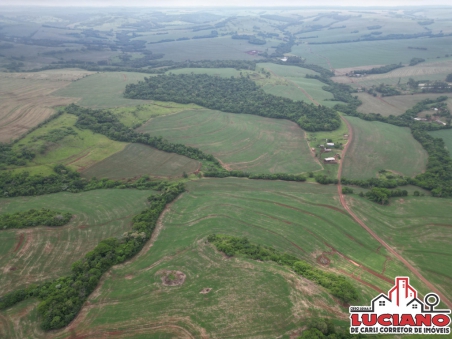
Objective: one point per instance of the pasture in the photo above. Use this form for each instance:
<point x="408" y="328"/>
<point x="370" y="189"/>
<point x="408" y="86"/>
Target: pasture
<point x="27" y="99"/>
<point x="376" y="146"/>
<point x="393" y="105"/>
<point x="103" y="90"/>
<point x="78" y="151"/>
<point x="242" y="142"/>
<point x="446" y="135"/>
<point x="294" y="84"/>
<point x="420" y="229"/>
<point x="44" y="253"/>
<point x="366" y="53"/>
<point x="248" y="298"/>
<point x="136" y="160"/>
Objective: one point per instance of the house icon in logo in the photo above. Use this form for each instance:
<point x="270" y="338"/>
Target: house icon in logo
<point x="401" y="312"/>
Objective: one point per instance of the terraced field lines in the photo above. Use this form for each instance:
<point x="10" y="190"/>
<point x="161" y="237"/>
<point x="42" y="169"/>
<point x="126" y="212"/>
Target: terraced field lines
<point x="305" y="220"/>
<point x="240" y="141"/>
<point x="377" y="146"/>
<point x="45" y="253"/>
<point x="26" y="99"/>
<point x="390" y="249"/>
<point x="137" y="160"/>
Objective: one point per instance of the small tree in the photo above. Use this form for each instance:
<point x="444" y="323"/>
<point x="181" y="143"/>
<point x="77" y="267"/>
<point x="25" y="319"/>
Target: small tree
<point x="347" y="190"/>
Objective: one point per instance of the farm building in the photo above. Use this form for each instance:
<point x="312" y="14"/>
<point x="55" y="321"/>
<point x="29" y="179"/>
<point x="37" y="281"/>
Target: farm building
<point x="327" y="150"/>
<point x="331" y="160"/>
<point x="330" y="144"/>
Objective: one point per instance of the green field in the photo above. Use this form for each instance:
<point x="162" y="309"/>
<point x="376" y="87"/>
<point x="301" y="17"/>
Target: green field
<point x="45" y="253"/>
<point x="240" y="141"/>
<point x="446" y="135"/>
<point x="75" y="151"/>
<point x="136" y="160"/>
<point x="376" y="146"/>
<point x="102" y="90"/>
<point x="248" y="298"/>
<point x="221" y="48"/>
<point x="420" y="228"/>
<point x="373" y="52"/>
<point x="133" y="115"/>
<point x="296" y="86"/>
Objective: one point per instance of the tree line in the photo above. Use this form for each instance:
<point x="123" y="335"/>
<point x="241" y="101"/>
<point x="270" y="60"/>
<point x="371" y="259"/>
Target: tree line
<point x="379" y="70"/>
<point x="63" y="179"/>
<point x="106" y="123"/>
<point x="33" y="217"/>
<point x="336" y="284"/>
<point x="62" y="298"/>
<point x="235" y="95"/>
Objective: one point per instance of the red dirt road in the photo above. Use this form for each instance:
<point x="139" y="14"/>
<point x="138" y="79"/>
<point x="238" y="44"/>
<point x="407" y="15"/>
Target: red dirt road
<point x="373" y="234"/>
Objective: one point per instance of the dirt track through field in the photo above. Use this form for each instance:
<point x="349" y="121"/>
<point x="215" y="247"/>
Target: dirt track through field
<point x="372" y="233"/>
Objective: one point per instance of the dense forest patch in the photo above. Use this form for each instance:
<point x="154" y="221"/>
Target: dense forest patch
<point x="235" y="95"/>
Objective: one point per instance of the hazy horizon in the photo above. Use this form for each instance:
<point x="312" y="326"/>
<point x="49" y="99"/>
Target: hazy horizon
<point x="227" y="3"/>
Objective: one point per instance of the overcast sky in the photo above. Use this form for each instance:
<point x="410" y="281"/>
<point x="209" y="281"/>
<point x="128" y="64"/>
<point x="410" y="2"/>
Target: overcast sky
<point x="210" y="3"/>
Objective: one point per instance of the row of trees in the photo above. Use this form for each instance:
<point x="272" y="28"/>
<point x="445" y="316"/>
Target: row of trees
<point x="106" y="123"/>
<point x="235" y="95"/>
<point x="62" y="180"/>
<point x="379" y="70"/>
<point x="62" y="299"/>
<point x="33" y="217"/>
<point x="262" y="176"/>
<point x="337" y="285"/>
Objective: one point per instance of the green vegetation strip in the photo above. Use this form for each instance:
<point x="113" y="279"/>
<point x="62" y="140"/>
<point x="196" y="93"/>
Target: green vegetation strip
<point x="63" y="298"/>
<point x="108" y="124"/>
<point x="235" y="95"/>
<point x="62" y="180"/>
<point x="44" y="217"/>
<point x="337" y="285"/>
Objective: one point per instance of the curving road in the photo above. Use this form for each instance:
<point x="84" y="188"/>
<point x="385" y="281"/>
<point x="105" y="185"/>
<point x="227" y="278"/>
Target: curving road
<point x="372" y="233"/>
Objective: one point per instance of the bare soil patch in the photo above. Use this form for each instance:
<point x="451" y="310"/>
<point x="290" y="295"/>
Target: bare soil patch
<point x="26" y="100"/>
<point x="205" y="290"/>
<point x="323" y="260"/>
<point x="172" y="278"/>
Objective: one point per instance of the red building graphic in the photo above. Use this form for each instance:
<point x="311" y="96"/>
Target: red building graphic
<point x="402" y="292"/>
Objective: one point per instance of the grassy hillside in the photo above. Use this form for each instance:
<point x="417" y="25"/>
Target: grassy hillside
<point x="44" y="253"/>
<point x="102" y="90"/>
<point x="248" y="298"/>
<point x="297" y="86"/>
<point x="377" y="146"/>
<point x="419" y="228"/>
<point x="136" y="160"/>
<point x="242" y="142"/>
<point x="78" y="151"/>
